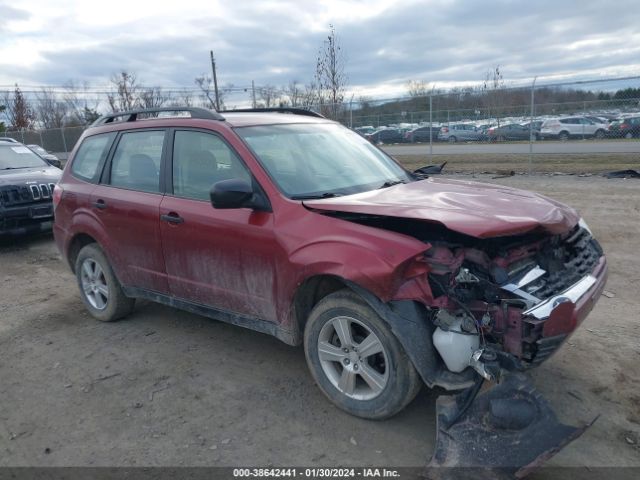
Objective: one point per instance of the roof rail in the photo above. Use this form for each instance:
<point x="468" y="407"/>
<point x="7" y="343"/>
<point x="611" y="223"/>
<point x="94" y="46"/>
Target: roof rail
<point x="293" y="110"/>
<point x="132" y="115"/>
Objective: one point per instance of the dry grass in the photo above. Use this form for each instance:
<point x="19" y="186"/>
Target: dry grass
<point x="566" y="163"/>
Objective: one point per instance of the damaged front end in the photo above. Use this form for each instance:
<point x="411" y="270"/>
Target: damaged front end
<point x="502" y="309"/>
<point x="517" y="298"/>
<point x="494" y="308"/>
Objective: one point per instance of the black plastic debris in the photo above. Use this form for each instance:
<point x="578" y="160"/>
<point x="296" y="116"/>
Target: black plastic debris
<point x="430" y="169"/>
<point x="623" y="174"/>
<point x="506" y="433"/>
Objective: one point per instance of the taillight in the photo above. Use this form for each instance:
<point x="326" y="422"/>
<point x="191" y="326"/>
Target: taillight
<point x="445" y="129"/>
<point x="57" y="196"/>
<point x="624" y="125"/>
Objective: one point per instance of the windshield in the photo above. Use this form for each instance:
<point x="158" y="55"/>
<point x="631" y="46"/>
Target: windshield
<point x="18" y="156"/>
<point x="321" y="160"/>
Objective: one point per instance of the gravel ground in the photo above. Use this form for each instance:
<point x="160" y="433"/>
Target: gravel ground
<point x="167" y="388"/>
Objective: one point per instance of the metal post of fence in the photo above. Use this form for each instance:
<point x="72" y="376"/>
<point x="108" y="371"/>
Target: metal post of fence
<point x="41" y="140"/>
<point x="431" y="128"/>
<point x="533" y="88"/>
<point x="584" y="112"/>
<point x="22" y="134"/>
<point x="351" y="112"/>
<point x="64" y="141"/>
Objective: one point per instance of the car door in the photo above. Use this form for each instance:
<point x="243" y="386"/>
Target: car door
<point x="127" y="202"/>
<point x="218" y="258"/>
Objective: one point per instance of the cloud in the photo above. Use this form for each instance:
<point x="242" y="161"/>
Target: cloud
<point x="274" y="41"/>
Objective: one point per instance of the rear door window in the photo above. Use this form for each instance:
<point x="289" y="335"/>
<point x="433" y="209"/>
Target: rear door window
<point x="91" y="155"/>
<point x="136" y="161"/>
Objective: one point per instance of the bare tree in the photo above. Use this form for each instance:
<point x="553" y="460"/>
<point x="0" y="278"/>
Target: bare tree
<point x="82" y="104"/>
<point x="493" y="90"/>
<point x="268" y="96"/>
<point x="18" y="110"/>
<point x="417" y="88"/>
<point x="294" y="93"/>
<point x="152" y="97"/>
<point x="51" y="109"/>
<point x="125" y="96"/>
<point x="207" y="89"/>
<point x="184" y="98"/>
<point x="310" y="96"/>
<point x="330" y="77"/>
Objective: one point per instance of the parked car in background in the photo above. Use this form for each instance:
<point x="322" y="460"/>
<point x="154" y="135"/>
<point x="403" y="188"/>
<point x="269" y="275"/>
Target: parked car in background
<point x="624" y="128"/>
<point x="511" y="131"/>
<point x="26" y="189"/>
<point x="568" y="127"/>
<point x="422" y="134"/>
<point x="386" y="135"/>
<point x="461" y="133"/>
<point x="365" y="130"/>
<point x="8" y="139"/>
<point x="535" y="127"/>
<point x="47" y="156"/>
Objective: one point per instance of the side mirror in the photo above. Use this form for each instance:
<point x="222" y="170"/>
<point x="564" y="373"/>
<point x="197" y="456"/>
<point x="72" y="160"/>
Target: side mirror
<point x="55" y="163"/>
<point x="233" y="193"/>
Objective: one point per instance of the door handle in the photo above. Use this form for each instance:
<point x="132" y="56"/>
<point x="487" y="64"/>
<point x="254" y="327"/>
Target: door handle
<point x="101" y="204"/>
<point x="172" y="217"/>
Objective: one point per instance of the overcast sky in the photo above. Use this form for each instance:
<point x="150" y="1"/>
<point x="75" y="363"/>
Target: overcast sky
<point x="386" y="43"/>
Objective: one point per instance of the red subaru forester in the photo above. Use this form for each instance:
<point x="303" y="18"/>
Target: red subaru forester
<point x="290" y="224"/>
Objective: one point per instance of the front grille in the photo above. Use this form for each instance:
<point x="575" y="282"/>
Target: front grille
<point x="11" y="195"/>
<point x="567" y="263"/>
<point x="15" y="195"/>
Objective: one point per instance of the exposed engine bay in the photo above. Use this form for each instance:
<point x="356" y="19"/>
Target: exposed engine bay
<point x="492" y="299"/>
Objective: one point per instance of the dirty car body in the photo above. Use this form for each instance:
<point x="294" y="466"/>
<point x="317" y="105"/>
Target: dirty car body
<point x="290" y="224"/>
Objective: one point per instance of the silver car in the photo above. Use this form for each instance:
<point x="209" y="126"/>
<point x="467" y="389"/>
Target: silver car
<point x="461" y="132"/>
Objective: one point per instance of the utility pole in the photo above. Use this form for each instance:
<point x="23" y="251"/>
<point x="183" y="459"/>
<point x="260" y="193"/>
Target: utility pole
<point x="253" y="93"/>
<point x="215" y="81"/>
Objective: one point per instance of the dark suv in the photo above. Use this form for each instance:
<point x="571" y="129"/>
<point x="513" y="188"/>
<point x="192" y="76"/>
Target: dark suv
<point x="290" y="224"/>
<point x="26" y="186"/>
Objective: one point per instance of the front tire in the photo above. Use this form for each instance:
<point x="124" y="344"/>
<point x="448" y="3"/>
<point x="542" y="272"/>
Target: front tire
<point x="100" y="290"/>
<point x="356" y="360"/>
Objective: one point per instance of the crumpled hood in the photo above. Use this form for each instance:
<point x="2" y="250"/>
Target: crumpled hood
<point x="22" y="176"/>
<point x="471" y="208"/>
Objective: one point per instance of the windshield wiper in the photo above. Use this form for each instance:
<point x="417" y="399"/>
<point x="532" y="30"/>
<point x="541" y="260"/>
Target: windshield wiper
<point x="390" y="183"/>
<point x="13" y="168"/>
<point x="315" y="196"/>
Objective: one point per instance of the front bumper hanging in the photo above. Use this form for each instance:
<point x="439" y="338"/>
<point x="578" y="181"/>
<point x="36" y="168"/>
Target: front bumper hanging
<point x="508" y="431"/>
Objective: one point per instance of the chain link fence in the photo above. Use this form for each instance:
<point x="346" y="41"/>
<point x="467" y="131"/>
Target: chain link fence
<point x="530" y="119"/>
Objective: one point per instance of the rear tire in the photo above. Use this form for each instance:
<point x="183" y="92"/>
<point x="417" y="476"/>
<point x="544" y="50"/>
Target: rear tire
<point x="356" y="360"/>
<point x="100" y="290"/>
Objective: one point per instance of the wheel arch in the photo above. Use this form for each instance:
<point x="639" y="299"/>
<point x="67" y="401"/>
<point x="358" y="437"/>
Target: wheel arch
<point x="77" y="243"/>
<point x="407" y="319"/>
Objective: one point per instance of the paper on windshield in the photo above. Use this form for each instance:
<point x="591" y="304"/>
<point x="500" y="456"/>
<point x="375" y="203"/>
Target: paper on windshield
<point x="21" y="149"/>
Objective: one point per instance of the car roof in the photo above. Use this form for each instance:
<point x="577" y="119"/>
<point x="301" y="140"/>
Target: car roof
<point x="245" y="119"/>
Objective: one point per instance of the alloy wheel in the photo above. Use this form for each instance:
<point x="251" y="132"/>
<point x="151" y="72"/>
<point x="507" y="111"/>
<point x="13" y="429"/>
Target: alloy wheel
<point x="353" y="358"/>
<point x="94" y="284"/>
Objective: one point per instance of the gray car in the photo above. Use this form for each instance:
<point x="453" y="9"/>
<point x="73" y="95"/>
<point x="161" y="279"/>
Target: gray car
<point x="461" y="133"/>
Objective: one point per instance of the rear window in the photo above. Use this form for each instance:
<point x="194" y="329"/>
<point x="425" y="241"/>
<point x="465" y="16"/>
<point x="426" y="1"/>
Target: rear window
<point x="91" y="155"/>
<point x="136" y="161"/>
